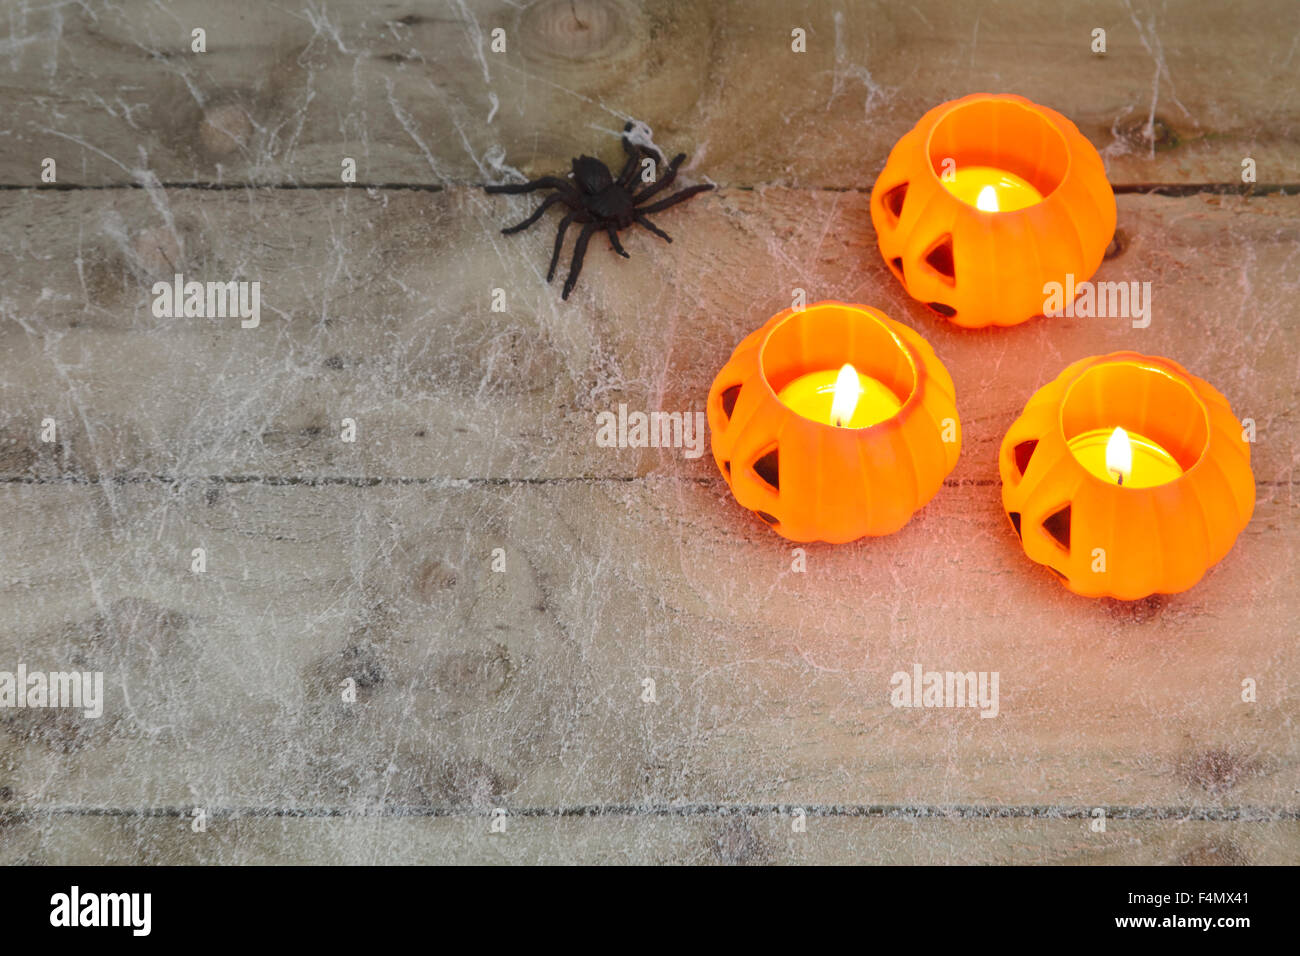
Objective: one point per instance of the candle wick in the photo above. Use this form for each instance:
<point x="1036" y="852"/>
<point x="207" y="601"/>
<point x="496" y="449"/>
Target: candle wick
<point x="1119" y="478"/>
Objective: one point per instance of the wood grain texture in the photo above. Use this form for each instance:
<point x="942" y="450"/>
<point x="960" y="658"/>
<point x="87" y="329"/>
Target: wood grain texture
<point x="378" y="307"/>
<point x="414" y="93"/>
<point x="372" y="561"/>
<point x="526" y="685"/>
<point x="730" y="839"/>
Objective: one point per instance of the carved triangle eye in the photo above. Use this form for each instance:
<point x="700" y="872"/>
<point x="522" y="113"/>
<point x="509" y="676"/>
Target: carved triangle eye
<point x="729" y="396"/>
<point x="768" y="468"/>
<point x="1022" y="453"/>
<point x="1057" y="525"/>
<point x="894" y="199"/>
<point x="939" y="258"/>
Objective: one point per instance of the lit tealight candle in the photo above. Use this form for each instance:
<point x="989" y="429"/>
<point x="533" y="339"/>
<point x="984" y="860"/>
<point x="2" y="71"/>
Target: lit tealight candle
<point x="845" y="398"/>
<point x="1124" y="458"/>
<point x="990" y="189"/>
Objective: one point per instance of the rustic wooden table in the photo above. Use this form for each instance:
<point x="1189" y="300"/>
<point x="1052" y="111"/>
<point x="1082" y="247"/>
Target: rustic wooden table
<point x="475" y="430"/>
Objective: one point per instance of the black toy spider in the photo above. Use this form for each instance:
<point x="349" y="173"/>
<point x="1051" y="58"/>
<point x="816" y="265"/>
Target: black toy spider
<point x="600" y="202"/>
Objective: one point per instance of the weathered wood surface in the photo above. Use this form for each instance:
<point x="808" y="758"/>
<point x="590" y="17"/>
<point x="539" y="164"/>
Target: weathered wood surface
<point x="476" y="430"/>
<point x="414" y="93"/>
<point x="710" y="838"/>
<point x="377" y="307"/>
<point x="525" y="686"/>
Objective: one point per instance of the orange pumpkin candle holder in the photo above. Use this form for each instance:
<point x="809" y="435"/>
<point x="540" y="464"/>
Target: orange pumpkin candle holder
<point x="814" y="468"/>
<point x="985" y="201"/>
<point x="1127" y="477"/>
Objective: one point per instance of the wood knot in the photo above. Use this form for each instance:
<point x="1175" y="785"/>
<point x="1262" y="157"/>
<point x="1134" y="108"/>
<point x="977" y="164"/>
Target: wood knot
<point x="1154" y="134"/>
<point x="470" y="782"/>
<point x="1214" y="771"/>
<point x="433" y="577"/>
<point x="1218" y="852"/>
<point x="225" y="130"/>
<point x="363" y="663"/>
<point x="573" y="29"/>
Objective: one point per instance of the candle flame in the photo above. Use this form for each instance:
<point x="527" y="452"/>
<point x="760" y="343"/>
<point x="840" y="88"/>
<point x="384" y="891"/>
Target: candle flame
<point x="847" y="392"/>
<point x="1119" y="455"/>
<point x="987" y="199"/>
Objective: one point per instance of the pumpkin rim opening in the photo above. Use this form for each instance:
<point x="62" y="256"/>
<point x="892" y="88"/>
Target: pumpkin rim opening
<point x="1168" y="410"/>
<point x="1045" y="169"/>
<point x="868" y="355"/>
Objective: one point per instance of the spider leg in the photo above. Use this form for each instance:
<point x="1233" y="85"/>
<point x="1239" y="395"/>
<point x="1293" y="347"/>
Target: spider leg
<point x="652" y="227"/>
<point x="667" y="180"/>
<point x="549" y="201"/>
<point x="630" y="167"/>
<point x="674" y="199"/>
<point x="559" y="241"/>
<point x="633" y="164"/>
<point x="546" y="182"/>
<point x="614" y="243"/>
<point x="579" y="250"/>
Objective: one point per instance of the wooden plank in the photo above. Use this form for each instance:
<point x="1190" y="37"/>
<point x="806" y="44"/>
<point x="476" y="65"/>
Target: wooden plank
<point x="526" y="686"/>
<point x="413" y="92"/>
<point x="377" y="306"/>
<point x="372" y="560"/>
<point x="731" y="839"/>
